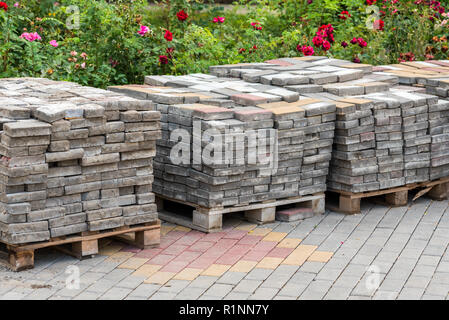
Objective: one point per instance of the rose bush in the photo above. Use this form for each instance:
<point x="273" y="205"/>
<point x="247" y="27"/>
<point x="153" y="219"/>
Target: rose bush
<point x="100" y="43"/>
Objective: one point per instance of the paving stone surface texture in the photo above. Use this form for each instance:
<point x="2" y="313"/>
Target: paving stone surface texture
<point x="382" y="253"/>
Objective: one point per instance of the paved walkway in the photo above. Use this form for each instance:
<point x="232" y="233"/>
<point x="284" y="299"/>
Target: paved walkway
<point x="383" y="253"/>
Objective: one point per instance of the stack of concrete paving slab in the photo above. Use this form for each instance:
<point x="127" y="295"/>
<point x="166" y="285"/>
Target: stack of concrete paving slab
<point x="237" y="111"/>
<point x="73" y="159"/>
<point x="431" y="77"/>
<point x="387" y="133"/>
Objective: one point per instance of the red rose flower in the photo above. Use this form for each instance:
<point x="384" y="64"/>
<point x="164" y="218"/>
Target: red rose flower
<point x="3" y="6"/>
<point x="299" y="48"/>
<point x="356" y="60"/>
<point x="344" y="15"/>
<point x="308" y="50"/>
<point x="163" y="59"/>
<point x="317" y="41"/>
<point x="370" y="2"/>
<point x="168" y="35"/>
<point x="362" y="43"/>
<point x="344" y="44"/>
<point x="182" y="15"/>
<point x="326" y="45"/>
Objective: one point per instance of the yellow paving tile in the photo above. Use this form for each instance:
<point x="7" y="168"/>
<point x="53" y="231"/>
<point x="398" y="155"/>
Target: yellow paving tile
<point x="245" y="226"/>
<point x="120" y="256"/>
<point x="216" y="270"/>
<point x="110" y="249"/>
<point x="299" y="255"/>
<point x="147" y="270"/>
<point x="133" y="263"/>
<point x="275" y="236"/>
<point x="189" y="274"/>
<point x="269" y="263"/>
<point x="160" y="277"/>
<point x="166" y="229"/>
<point x="181" y="228"/>
<point x="243" y="266"/>
<point x="260" y="232"/>
<point x="320" y="256"/>
<point x="289" y="243"/>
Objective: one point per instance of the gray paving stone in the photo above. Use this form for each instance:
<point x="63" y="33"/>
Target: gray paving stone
<point x="258" y="274"/>
<point x="190" y="293"/>
<point x="337" y="293"/>
<point x="312" y="266"/>
<point x="130" y="282"/>
<point x="174" y="286"/>
<point x="115" y="293"/>
<point x="385" y="295"/>
<point x="88" y="295"/>
<point x="218" y="290"/>
<point x="237" y="296"/>
<point x="163" y="296"/>
<point x="144" y="290"/>
<point x="247" y="286"/>
<point x="264" y="294"/>
<point x="231" y="277"/>
<point x="410" y="294"/>
<point x="203" y="282"/>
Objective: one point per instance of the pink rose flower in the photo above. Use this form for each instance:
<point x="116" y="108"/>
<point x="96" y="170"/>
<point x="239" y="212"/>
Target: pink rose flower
<point x="143" y="30"/>
<point x="54" y="43"/>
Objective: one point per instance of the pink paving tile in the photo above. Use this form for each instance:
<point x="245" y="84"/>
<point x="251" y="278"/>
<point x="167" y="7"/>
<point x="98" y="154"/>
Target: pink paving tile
<point x="175" y="249"/>
<point x="130" y="249"/>
<point x="228" y="259"/>
<point x="216" y="236"/>
<point x="188" y="239"/>
<point x="225" y="243"/>
<point x="202" y="263"/>
<point x="174" y="266"/>
<point x="148" y="253"/>
<point x="161" y="259"/>
<point x="251" y="240"/>
<point x="214" y="252"/>
<point x="175" y="235"/>
<point x="265" y="245"/>
<point x="166" y="242"/>
<point x="235" y="234"/>
<point x="239" y="249"/>
<point x="254" y="255"/>
<point x="201" y="246"/>
<point x="280" y="252"/>
<point x="188" y="256"/>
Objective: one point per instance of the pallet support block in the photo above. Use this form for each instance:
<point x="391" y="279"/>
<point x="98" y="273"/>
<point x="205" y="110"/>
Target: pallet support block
<point x="349" y="205"/>
<point x="148" y="239"/>
<point x="85" y="249"/>
<point x="21" y="260"/>
<point x="397" y="199"/>
<point x="207" y="221"/>
<point x="439" y="192"/>
<point x="318" y="205"/>
<point x="261" y="216"/>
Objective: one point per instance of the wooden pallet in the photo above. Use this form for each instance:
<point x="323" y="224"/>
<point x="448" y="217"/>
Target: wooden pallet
<point x="81" y="245"/>
<point x="349" y="202"/>
<point x="211" y="219"/>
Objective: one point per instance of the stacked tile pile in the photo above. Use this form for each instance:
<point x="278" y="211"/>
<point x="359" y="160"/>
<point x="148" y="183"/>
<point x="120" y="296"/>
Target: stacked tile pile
<point x="354" y="164"/>
<point x="73" y="159"/>
<point x="383" y="135"/>
<point x="431" y="77"/>
<point x="300" y="130"/>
